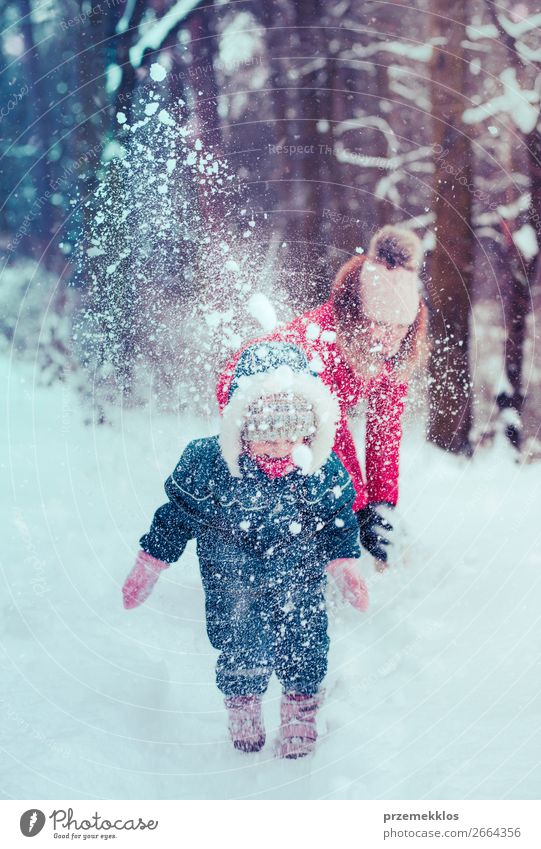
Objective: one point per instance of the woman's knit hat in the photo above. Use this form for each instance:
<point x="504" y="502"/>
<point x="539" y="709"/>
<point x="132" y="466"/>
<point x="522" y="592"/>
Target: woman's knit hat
<point x="389" y="276"/>
<point x="273" y="396"/>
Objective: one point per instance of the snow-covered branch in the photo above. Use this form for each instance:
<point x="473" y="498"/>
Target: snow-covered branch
<point x="158" y="31"/>
<point x="516" y="29"/>
<point x="522" y="105"/>
<point x="391" y="163"/>
<point x="417" y="52"/>
<point x="475" y="33"/>
<point x="376" y="122"/>
<point x="127" y="15"/>
<point x="350" y="157"/>
<point x="408" y="92"/>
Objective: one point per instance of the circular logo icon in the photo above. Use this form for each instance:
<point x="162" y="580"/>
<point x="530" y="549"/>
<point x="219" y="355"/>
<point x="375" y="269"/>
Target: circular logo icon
<point x="32" y="822"/>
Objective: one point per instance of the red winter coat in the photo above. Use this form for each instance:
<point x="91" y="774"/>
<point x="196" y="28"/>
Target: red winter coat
<point x="385" y="404"/>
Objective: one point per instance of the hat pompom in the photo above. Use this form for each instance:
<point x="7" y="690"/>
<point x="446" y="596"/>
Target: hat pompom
<point x="396" y="247"/>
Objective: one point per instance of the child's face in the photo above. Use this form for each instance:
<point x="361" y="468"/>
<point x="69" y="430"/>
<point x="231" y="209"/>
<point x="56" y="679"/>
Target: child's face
<point x="276" y="450"/>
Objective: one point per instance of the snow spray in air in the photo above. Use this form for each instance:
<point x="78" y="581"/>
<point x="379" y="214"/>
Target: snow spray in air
<point x="175" y="275"/>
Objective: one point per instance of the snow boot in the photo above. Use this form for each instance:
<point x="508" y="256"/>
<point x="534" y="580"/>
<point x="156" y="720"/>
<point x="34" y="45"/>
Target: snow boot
<point x="298" y="731"/>
<point x="245" y="722"/>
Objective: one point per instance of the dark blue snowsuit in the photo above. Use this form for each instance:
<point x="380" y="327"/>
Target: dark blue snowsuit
<point x="263" y="545"/>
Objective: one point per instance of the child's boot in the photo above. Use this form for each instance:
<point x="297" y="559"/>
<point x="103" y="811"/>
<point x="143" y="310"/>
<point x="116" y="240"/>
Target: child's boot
<point x="245" y="722"/>
<point x="298" y="731"/>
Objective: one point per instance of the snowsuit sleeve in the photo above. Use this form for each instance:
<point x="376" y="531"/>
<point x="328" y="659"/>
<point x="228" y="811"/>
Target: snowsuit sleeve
<point x="341" y="531"/>
<point x="383" y="435"/>
<point x="173" y="523"/>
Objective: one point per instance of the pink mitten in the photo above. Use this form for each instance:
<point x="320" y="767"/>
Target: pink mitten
<point x="350" y="583"/>
<point x="140" y="582"/>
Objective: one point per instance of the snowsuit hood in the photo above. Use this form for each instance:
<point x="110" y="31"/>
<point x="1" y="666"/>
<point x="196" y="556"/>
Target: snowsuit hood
<point x="272" y="368"/>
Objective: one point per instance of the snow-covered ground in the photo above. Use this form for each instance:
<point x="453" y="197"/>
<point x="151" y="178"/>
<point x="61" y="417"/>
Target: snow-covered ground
<point x="435" y="693"/>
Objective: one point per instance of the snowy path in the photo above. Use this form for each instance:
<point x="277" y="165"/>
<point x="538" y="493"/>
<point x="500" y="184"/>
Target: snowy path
<point x="435" y="693"/>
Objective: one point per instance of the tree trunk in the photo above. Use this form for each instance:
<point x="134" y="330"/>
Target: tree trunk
<point x="452" y="262"/>
<point x="205" y="94"/>
<point x="275" y="17"/>
<point x="312" y="146"/>
<point x="530" y="412"/>
<point x="522" y="275"/>
<point x="36" y="241"/>
<point x="515" y="302"/>
<point x="90" y="136"/>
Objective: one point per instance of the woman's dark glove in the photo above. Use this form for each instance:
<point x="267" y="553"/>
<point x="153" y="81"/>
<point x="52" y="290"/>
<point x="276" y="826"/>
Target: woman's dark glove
<point x="374" y="529"/>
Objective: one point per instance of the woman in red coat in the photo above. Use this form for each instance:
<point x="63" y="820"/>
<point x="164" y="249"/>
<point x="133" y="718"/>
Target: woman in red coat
<point x="365" y="342"/>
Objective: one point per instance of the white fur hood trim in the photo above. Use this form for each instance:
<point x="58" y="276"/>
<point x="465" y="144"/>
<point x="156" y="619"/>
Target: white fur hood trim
<point x="283" y="379"/>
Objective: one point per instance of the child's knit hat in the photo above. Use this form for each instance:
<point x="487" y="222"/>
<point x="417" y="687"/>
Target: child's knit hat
<point x="274" y="395"/>
<point x="280" y="416"/>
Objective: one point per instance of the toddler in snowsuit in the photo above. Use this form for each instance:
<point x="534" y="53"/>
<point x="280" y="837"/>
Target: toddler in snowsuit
<point x="270" y="506"/>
